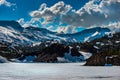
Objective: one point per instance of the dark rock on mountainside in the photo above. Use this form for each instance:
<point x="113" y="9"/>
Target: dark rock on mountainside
<point x="8" y="51"/>
<point x="96" y="60"/>
<point x="50" y="53"/>
<point x="109" y="51"/>
<point x="101" y="60"/>
<point x="114" y="60"/>
<point x="74" y="52"/>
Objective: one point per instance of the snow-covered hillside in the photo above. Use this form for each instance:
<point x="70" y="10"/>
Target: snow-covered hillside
<point x="41" y="45"/>
<point x="88" y="34"/>
<point x="12" y="32"/>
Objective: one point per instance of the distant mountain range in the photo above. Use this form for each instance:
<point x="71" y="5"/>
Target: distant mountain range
<point x="33" y="44"/>
<point x="13" y="32"/>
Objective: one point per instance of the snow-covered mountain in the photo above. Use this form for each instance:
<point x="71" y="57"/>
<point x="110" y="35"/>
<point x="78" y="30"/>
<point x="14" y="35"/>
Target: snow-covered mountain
<point x="41" y="45"/>
<point x="88" y="34"/>
<point x="13" y="32"/>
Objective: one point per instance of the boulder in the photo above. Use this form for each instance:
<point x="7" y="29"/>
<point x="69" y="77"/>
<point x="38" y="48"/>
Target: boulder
<point x="114" y="60"/>
<point x="96" y="60"/>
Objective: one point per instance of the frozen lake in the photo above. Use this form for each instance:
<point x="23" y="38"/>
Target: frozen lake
<point x="57" y="71"/>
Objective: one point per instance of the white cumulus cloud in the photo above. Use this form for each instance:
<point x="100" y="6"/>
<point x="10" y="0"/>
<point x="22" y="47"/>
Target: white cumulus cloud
<point x="93" y="13"/>
<point x="6" y="3"/>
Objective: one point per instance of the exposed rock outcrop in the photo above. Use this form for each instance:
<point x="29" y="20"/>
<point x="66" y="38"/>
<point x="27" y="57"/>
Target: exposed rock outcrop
<point x="50" y="54"/>
<point x="109" y="53"/>
<point x="113" y="60"/>
<point x="96" y="60"/>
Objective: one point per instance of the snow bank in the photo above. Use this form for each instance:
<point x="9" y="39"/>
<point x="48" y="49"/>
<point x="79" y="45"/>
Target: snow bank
<point x="86" y="54"/>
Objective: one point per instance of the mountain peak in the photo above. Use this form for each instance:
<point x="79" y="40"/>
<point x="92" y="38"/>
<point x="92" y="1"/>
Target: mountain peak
<point x="12" y="24"/>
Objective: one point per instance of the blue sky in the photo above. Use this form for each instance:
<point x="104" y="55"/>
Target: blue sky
<point x="66" y="16"/>
<point x="24" y="7"/>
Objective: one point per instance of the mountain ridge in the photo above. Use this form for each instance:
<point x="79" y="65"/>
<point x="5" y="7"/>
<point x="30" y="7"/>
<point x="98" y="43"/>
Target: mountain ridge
<point x="14" y="32"/>
<point x="41" y="45"/>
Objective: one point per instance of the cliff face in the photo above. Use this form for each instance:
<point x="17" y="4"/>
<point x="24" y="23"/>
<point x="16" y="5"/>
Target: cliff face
<point x="109" y="53"/>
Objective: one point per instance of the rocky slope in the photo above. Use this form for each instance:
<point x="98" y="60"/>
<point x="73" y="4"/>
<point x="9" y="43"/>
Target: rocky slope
<point x="33" y="44"/>
<point x="99" y="52"/>
<point x="109" y="53"/>
<point x="48" y="52"/>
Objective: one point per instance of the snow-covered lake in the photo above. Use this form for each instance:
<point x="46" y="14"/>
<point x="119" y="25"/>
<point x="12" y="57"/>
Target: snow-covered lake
<point x="57" y="71"/>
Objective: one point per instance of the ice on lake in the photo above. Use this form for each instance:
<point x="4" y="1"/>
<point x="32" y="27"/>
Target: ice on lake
<point x="57" y="71"/>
